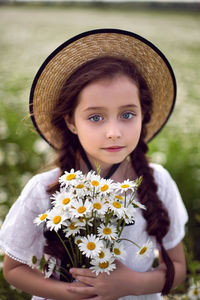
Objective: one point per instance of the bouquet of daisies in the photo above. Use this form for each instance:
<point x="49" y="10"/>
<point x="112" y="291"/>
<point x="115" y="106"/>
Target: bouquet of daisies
<point x="88" y="215"/>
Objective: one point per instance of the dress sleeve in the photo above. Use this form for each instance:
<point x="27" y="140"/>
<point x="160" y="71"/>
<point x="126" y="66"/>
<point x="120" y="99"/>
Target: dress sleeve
<point x="170" y="196"/>
<point x="20" y="238"/>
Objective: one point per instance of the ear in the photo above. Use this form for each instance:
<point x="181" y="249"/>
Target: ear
<point x="70" y="124"/>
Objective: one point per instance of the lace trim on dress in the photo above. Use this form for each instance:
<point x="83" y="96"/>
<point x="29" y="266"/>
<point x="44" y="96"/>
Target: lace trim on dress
<point x="12" y="256"/>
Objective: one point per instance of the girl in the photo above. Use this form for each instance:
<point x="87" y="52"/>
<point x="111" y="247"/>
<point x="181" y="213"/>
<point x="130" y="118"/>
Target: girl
<point x="99" y="98"/>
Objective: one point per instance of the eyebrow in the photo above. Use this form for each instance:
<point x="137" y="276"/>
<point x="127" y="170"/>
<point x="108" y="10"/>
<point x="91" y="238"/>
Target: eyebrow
<point x="102" y="107"/>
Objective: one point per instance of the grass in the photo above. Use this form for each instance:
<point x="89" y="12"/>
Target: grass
<point x="29" y="33"/>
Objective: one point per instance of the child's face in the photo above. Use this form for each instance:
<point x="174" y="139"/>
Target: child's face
<point x="108" y="120"/>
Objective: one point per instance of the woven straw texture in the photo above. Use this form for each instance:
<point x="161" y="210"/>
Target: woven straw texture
<point x="152" y="66"/>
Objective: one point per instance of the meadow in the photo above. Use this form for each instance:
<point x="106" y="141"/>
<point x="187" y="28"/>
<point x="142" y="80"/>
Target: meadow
<point x="29" y="33"/>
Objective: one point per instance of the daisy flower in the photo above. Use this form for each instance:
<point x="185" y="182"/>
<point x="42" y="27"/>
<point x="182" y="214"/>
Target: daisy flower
<point x="80" y="208"/>
<point x="56" y="218"/>
<point x="108" y="232"/>
<point x="33" y="261"/>
<point x="91" y="246"/>
<point x="129" y="213"/>
<point x="101" y="267"/>
<point x="70" y="178"/>
<point x="41" y="218"/>
<point x="51" y="267"/>
<point x="82" y="221"/>
<point x="78" y="239"/>
<point x="120" y="198"/>
<point x="81" y="189"/>
<point x="125" y="185"/>
<point x="71" y="229"/>
<point x="106" y="186"/>
<point x="145" y="250"/>
<point x="104" y="255"/>
<point x="119" y="251"/>
<point x="138" y="204"/>
<point x="62" y="199"/>
<point x="117" y="208"/>
<point x="94" y="182"/>
<point x="99" y="205"/>
<point x="194" y="290"/>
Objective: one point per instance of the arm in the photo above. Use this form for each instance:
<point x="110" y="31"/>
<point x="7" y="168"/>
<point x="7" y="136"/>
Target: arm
<point x="129" y="281"/>
<point x="33" y="282"/>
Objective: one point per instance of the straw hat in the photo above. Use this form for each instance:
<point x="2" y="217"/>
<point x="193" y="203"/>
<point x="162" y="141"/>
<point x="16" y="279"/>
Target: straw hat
<point x="51" y="76"/>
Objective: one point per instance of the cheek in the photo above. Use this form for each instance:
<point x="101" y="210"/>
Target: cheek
<point x="87" y="134"/>
<point x="136" y="131"/>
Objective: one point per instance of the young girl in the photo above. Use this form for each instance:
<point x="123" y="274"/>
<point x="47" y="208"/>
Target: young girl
<point x="99" y="98"/>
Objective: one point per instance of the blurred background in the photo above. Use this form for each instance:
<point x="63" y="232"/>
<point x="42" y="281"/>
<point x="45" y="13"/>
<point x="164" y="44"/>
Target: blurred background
<point x="30" y="31"/>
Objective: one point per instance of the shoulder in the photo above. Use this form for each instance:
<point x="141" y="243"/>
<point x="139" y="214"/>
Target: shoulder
<point x="35" y="191"/>
<point x="43" y="179"/>
<point x="159" y="170"/>
<point x="46" y="178"/>
<point x="165" y="182"/>
<point x="161" y="175"/>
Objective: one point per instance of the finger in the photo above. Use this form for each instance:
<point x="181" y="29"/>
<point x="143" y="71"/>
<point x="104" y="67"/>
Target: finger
<point x="92" y="298"/>
<point x="86" y="280"/>
<point x="82" y="272"/>
<point x="81" y="290"/>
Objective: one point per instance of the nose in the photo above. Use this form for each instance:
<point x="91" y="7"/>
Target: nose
<point x="113" y="130"/>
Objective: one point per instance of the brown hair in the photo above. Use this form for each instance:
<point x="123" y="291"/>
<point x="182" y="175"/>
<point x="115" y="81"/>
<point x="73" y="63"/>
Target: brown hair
<point x="108" y="67"/>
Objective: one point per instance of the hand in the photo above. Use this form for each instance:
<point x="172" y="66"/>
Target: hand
<point x="103" y="286"/>
<point x="80" y="295"/>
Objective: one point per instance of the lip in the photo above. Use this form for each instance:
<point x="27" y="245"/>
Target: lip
<point x="113" y="148"/>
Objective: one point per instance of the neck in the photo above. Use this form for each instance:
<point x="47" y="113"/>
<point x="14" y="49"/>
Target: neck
<point x="124" y="170"/>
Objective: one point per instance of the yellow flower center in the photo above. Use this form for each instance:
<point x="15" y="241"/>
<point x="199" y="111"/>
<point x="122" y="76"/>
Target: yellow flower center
<point x="107" y="230"/>
<point x="95" y="183"/>
<point x="71" y="176"/>
<point x="195" y="292"/>
<point x="81" y="219"/>
<point x="56" y="219"/>
<point x="125" y="186"/>
<point x="72" y="226"/>
<point x="116" y="204"/>
<point x="117" y="251"/>
<point x="81" y="209"/>
<point x="104" y="188"/>
<point x="80" y="186"/>
<point x="119" y="197"/>
<point x="66" y="201"/>
<point x="91" y="246"/>
<point x="101" y="254"/>
<point x="78" y="242"/>
<point x="97" y="205"/>
<point x="104" y="265"/>
<point x="143" y="250"/>
<point x="43" y="217"/>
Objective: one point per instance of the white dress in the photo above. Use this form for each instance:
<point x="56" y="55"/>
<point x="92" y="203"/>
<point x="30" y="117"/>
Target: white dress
<point x="21" y="239"/>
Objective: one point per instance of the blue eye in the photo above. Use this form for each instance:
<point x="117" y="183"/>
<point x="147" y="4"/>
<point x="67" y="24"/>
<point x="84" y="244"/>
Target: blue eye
<point x="95" y="118"/>
<point x="127" y="115"/>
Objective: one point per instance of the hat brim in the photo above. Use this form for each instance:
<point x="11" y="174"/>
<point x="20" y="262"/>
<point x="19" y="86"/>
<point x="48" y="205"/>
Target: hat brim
<point x="62" y="62"/>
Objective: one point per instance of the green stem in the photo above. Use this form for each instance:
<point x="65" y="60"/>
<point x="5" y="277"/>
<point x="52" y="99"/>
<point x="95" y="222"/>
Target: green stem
<point x="67" y="278"/>
<point x="108" y="218"/>
<point x="95" y="223"/>
<point x="129" y="241"/>
<point x="74" y="255"/>
<point x="65" y="248"/>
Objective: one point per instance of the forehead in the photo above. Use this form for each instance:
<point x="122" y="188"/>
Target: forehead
<point x="117" y="91"/>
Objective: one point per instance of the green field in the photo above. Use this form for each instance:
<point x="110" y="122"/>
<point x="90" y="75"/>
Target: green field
<point x="28" y="33"/>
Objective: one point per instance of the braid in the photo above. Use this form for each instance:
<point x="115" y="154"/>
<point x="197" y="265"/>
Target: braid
<point x="156" y="215"/>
